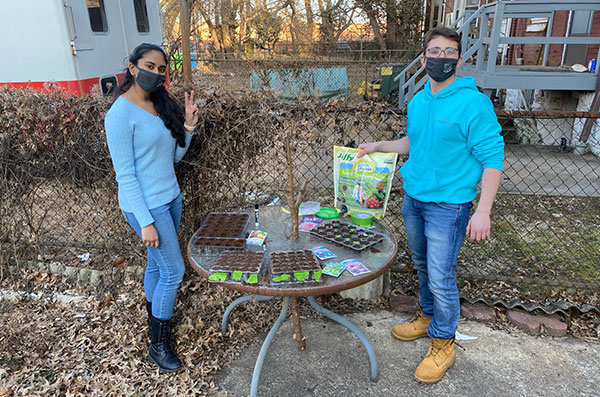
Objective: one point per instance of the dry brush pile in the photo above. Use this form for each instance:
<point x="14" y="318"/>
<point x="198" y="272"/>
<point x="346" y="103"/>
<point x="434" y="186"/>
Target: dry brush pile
<point x="58" y="198"/>
<point x="58" y="188"/>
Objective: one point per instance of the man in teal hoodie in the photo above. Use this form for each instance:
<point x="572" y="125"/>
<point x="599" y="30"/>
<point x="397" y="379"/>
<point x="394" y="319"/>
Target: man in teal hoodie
<point x="453" y="142"/>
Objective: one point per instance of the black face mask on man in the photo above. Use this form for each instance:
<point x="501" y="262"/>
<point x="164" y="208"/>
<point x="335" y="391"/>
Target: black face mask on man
<point x="149" y="81"/>
<point x="440" y="69"/>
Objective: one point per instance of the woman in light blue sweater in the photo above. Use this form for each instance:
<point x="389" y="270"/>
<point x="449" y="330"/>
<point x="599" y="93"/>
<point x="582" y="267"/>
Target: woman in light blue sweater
<point x="147" y="133"/>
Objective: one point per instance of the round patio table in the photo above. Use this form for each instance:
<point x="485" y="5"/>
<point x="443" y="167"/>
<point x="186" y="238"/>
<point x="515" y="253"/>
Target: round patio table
<point x="277" y="224"/>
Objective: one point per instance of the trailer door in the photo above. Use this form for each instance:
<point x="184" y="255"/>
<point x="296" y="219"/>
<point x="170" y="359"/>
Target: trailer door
<point x="98" y="43"/>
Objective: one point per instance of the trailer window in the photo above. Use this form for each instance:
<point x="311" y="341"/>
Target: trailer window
<point x="141" y="16"/>
<point x="97" y="15"/>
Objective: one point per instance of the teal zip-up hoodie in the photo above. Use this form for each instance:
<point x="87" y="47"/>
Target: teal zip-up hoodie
<point x="453" y="136"/>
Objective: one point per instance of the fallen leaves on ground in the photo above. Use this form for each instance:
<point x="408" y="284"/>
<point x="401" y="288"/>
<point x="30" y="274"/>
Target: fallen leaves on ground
<point x="98" y="346"/>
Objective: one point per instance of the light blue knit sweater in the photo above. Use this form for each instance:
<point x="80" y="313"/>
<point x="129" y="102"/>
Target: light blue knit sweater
<point x="143" y="153"/>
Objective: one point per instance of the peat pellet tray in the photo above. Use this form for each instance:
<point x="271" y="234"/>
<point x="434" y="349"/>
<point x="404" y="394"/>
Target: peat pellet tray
<point x="347" y="235"/>
<point x="221" y="231"/>
<point x="241" y="267"/>
<point x="294" y="267"/>
<point x="224" y="224"/>
<point x="216" y="245"/>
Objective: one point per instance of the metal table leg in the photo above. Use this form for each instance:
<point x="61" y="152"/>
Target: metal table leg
<point x="354" y="329"/>
<point x="265" y="347"/>
<point x="237" y="302"/>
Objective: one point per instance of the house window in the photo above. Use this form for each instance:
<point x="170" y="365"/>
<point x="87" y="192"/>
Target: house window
<point x="141" y="16"/>
<point x="97" y="15"/>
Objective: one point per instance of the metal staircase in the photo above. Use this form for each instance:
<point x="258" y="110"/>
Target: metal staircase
<point x="482" y="41"/>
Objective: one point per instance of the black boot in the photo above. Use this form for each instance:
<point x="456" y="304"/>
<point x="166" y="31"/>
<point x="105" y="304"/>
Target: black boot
<point x="161" y="352"/>
<point x="149" y="310"/>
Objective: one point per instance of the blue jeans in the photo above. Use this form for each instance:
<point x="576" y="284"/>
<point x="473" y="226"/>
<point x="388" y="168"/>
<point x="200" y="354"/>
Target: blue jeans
<point x="435" y="234"/>
<point x="165" y="267"/>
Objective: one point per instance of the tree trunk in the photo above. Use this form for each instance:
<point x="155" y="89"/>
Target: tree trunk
<point x="300" y="338"/>
<point x="326" y="31"/>
<point x="294" y="200"/>
<point x="368" y="8"/>
<point x="393" y="27"/>
<point x="293" y="26"/>
<point x="410" y="17"/>
<point x="244" y="7"/>
<point x="309" y="20"/>
<point x="184" y="25"/>
<point x="291" y="194"/>
<point x="226" y="22"/>
<point x="211" y="26"/>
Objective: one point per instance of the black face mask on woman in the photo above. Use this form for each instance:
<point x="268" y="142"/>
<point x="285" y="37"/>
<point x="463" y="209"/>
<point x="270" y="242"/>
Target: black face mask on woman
<point x="149" y="81"/>
<point x="440" y="69"/>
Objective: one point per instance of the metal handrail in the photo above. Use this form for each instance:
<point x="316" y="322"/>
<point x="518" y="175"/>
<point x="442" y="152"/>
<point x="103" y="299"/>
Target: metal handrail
<point x="410" y="84"/>
<point x="489" y="38"/>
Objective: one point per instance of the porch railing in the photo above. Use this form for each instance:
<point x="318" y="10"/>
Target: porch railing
<point x="482" y="41"/>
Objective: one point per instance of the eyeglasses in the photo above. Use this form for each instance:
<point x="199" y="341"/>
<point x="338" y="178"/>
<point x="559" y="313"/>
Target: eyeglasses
<point x="437" y="51"/>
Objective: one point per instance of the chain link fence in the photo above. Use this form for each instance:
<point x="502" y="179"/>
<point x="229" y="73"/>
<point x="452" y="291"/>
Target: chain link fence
<point x="364" y="75"/>
<point x="58" y="195"/>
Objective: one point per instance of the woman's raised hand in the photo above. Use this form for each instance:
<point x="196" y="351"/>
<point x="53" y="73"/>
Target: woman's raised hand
<point x="191" y="110"/>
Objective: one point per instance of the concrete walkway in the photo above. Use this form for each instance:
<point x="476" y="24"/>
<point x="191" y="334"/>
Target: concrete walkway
<point x="540" y="170"/>
<point x="336" y="364"/>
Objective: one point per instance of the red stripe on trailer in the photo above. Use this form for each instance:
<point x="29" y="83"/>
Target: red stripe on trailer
<point x="66" y="87"/>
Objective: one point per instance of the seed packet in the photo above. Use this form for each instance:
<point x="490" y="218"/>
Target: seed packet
<point x="362" y="184"/>
<point x="256" y="237"/>
<point x="323" y="253"/>
<point x="306" y="226"/>
<point x="333" y="269"/>
<point x="355" y="267"/>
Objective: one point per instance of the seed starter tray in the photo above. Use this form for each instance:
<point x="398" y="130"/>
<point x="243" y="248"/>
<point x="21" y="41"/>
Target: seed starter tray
<point x="216" y="245"/>
<point x="221" y="231"/>
<point x="294" y="267"/>
<point x="224" y="224"/>
<point x="242" y="267"/>
<point x="347" y="235"/>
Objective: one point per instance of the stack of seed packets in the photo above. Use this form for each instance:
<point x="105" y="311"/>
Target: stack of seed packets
<point x="323" y="253"/>
<point x="355" y="267"/>
<point x="333" y="269"/>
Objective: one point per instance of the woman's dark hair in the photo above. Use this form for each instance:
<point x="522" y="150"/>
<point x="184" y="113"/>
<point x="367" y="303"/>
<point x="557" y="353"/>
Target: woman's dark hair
<point x="444" y="32"/>
<point x="168" y="109"/>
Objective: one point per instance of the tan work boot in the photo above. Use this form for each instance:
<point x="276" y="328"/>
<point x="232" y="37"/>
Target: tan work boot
<point x="437" y="360"/>
<point x="416" y="328"/>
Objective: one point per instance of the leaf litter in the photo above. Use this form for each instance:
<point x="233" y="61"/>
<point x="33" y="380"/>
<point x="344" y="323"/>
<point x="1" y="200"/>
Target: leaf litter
<point x="98" y="345"/>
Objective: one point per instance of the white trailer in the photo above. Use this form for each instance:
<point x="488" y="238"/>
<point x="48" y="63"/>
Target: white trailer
<point x="73" y="45"/>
